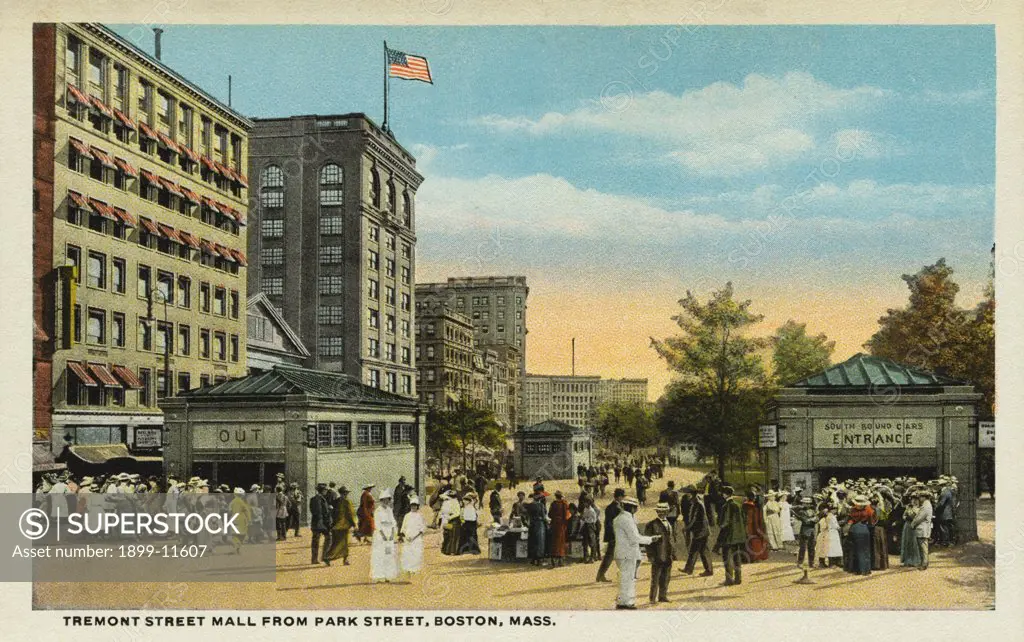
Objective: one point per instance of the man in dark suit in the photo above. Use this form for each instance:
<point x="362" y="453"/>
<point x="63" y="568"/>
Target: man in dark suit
<point x="610" y="513"/>
<point x="661" y="553"/>
<point x="698" y="529"/>
<point x="402" y="505"/>
<point x="670" y="496"/>
<point x="733" y="536"/>
<point x="320" y="522"/>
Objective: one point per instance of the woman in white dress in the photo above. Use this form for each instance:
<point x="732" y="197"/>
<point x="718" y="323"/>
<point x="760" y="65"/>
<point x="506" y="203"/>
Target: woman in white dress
<point x="787" y="519"/>
<point x="827" y="542"/>
<point x="773" y="521"/>
<point x="384" y="555"/>
<point x="413" y="529"/>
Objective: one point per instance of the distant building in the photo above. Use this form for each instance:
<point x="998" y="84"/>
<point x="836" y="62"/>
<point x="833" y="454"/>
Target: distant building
<point x="270" y="341"/>
<point x="444" y="354"/>
<point x="333" y="242"/>
<point x="623" y="391"/>
<point x="140" y="211"/>
<point x="551" y="450"/>
<point x="575" y="399"/>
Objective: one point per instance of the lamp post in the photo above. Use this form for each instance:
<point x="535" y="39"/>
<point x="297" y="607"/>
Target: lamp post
<point x="167" y="339"/>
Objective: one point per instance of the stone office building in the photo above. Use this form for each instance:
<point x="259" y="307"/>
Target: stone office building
<point x="333" y="242"/>
<point x="140" y="202"/>
<point x="869" y="417"/>
<point x="312" y="426"/>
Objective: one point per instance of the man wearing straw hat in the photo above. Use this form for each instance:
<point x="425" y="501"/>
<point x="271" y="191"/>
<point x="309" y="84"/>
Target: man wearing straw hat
<point x="922" y="525"/>
<point x="661" y="553"/>
<point x="627" y="552"/>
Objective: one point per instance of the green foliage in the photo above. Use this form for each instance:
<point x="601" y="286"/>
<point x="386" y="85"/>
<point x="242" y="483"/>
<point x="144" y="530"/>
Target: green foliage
<point x="715" y="400"/>
<point x="628" y="424"/>
<point x="461" y="430"/>
<point x="796" y="355"/>
<point x="933" y="333"/>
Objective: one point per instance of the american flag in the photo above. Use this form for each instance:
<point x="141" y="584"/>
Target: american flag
<point x="408" y="66"/>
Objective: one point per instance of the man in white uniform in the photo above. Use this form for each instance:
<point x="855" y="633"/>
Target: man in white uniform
<point x="627" y="552"/>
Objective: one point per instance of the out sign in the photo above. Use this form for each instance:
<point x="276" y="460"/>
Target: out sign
<point x="235" y="437"/>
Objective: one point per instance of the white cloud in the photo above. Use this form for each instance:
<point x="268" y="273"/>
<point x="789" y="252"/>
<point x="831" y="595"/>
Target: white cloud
<point x="720" y="129"/>
<point x="427" y="154"/>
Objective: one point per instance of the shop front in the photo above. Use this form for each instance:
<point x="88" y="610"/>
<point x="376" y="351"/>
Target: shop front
<point x="873" y="418"/>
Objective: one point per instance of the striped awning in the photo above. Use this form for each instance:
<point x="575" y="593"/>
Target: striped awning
<point x="169" y="232"/>
<point x="100" y="372"/>
<point x="128" y="377"/>
<point x="103" y="157"/>
<point x="103" y="209"/>
<point x="149" y="176"/>
<point x="101" y="107"/>
<point x="225" y="252"/>
<point x="189" y="239"/>
<point x="189" y="194"/>
<point x="80" y="201"/>
<point x="170" y="186"/>
<point x="127" y="167"/>
<point x="147" y="131"/>
<point x="168" y="143"/>
<point x="79" y="371"/>
<point x="125" y="217"/>
<point x="77" y="96"/>
<point x="207" y="246"/>
<point x="127" y="122"/>
<point x="149" y="226"/>
<point x="208" y="162"/>
<point x="188" y="151"/>
<point x="242" y="180"/>
<point x="240" y="257"/>
<point x="80" y="147"/>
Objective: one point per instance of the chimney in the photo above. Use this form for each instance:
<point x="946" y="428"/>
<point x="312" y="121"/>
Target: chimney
<point x="156" y="41"/>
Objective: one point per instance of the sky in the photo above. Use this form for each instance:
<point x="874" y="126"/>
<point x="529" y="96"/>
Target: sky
<point x="618" y="167"/>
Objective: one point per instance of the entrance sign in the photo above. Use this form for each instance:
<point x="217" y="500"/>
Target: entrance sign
<point x="986" y="434"/>
<point x="897" y="432"/>
<point x="238" y="437"/>
<point x="768" y="436"/>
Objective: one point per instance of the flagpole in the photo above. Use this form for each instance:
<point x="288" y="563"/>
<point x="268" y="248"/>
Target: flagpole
<point x="385" y="125"/>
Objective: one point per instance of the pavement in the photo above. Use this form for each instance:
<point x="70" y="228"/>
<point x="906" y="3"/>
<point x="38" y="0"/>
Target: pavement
<point x="960" y="578"/>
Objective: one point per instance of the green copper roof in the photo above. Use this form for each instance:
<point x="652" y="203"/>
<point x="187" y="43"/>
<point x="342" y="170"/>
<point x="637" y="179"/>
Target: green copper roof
<point x="863" y="371"/>
<point x="551" y="425"/>
<point x="292" y="380"/>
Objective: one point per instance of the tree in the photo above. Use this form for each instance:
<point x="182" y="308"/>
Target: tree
<point x="628" y="424"/>
<point x="796" y="355"/>
<point x="934" y="334"/>
<point x="440" y="436"/>
<point x="718" y="373"/>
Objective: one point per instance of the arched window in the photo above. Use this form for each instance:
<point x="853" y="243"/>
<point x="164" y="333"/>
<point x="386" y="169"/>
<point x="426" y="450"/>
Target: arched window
<point x="406" y="209"/>
<point x="391" y="197"/>
<point x="375" y="187"/>
<point x="272" y="187"/>
<point x="330" y="185"/>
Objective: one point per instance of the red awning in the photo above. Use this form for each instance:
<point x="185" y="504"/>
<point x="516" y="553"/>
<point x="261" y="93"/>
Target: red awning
<point x="238" y="216"/>
<point x="80" y="147"/>
<point x="149" y="226"/>
<point x="103" y="209"/>
<point x="240" y="257"/>
<point x="126" y="167"/>
<point x="79" y="200"/>
<point x="127" y="122"/>
<point x="77" y="95"/>
<point x="128" y="377"/>
<point x="104" y="157"/>
<point x="192" y="156"/>
<point x="207" y="246"/>
<point x="189" y="194"/>
<point x="102" y="107"/>
<point x="170" y="186"/>
<point x="125" y="217"/>
<point x="149" y="176"/>
<point x="81" y="373"/>
<point x="189" y="240"/>
<point x="243" y="180"/>
<point x="168" y="143"/>
<point x="210" y="165"/>
<point x="100" y="371"/>
<point x="224" y="170"/>
<point x="225" y="252"/>
<point x="147" y="131"/>
<point x="169" y="232"/>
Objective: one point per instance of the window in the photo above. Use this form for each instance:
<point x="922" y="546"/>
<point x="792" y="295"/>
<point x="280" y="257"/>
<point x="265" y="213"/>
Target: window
<point x="330" y="185"/>
<point x="271" y="181"/>
<point x="161" y="384"/>
<point x="406" y="275"/>
<point x="145" y="335"/>
<point x="390" y="323"/>
<point x="330" y="315"/>
<point x="389" y="241"/>
<point x="73" y="58"/>
<point x="374" y="318"/>
<point x="204" y="343"/>
<point x="406" y="209"/>
<point x="374" y="232"/>
<point x="220" y="301"/>
<point x="331" y="225"/>
<point x="389" y="351"/>
<point x="430" y="376"/>
<point x="164" y="108"/>
<point x="405" y="355"/>
<point x="374" y="290"/>
<point x="389" y="268"/>
<point x="205" y="136"/>
<point x="373" y="260"/>
<point x="165" y="286"/>
<point x="363" y="434"/>
<point x="146" y="391"/>
<point x="220" y="350"/>
<point x="234" y="304"/>
<point x="233" y="340"/>
<point x="407" y="251"/>
<point x="519" y="300"/>
<point x="97" y="70"/>
<point x="374" y="378"/>
<point x="406" y="301"/>
<point x="96" y="327"/>
<point x="331" y="254"/>
<point x="184" y="340"/>
<point x="430" y="352"/>
<point x="390" y="382"/>
<point x="204" y="297"/>
<point x="406" y="385"/>
<point x="391" y="197"/>
<point x="401" y="433"/>
<point x="143" y="284"/>
<point x="97" y="272"/>
<point x="389" y="295"/>
<point x="185" y="124"/>
<point x="117" y="330"/>
<point x="184" y="292"/>
<point x="341" y="435"/>
<point x="121" y="87"/>
<point x="373" y="348"/>
<point x="273" y="228"/>
<point x="145" y="99"/>
<point x="330" y="346"/>
<point x="405" y="328"/>
<point x="327" y="285"/>
<point x="204" y="380"/>
<point x="272" y="256"/>
<point x="184" y="382"/>
<point x="375" y="187"/>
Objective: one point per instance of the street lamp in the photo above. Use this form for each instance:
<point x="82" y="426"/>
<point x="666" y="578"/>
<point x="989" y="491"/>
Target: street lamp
<point x="159" y="294"/>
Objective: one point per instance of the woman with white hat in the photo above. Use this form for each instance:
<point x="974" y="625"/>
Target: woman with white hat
<point x="384" y="556"/>
<point x="414" y="527"/>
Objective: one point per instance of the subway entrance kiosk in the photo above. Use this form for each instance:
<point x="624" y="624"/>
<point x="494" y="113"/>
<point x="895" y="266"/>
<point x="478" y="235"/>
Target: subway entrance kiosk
<point x="870" y="417"/>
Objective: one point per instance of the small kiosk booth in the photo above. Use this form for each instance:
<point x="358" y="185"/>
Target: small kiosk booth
<point x="870" y="417"/>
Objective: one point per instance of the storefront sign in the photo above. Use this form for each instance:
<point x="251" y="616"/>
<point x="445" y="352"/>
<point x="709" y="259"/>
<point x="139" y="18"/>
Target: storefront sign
<point x="986" y="434"/>
<point x="799" y="479"/>
<point x="768" y="436"/>
<point x="859" y="433"/>
<point x="148" y="437"/>
<point x="228" y="437"/>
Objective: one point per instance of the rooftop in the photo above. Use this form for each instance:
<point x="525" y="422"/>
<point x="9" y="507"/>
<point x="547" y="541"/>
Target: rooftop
<point x="550" y="426"/>
<point x="863" y="371"/>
